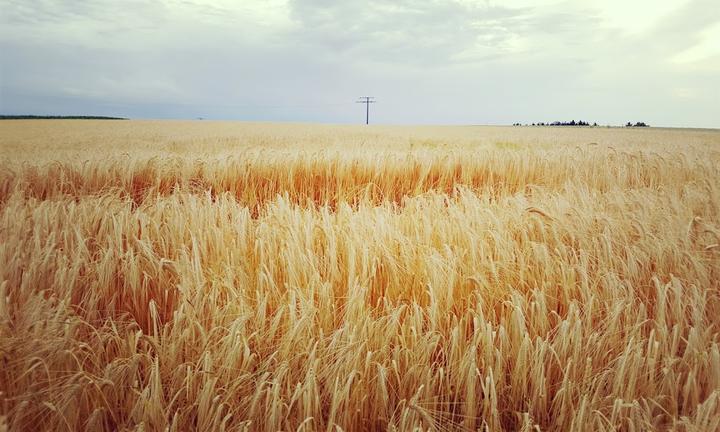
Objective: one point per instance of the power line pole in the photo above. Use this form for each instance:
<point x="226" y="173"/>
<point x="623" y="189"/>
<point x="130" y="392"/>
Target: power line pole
<point x="367" y="100"/>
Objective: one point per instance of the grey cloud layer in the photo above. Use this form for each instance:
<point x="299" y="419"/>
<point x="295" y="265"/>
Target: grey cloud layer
<point x="427" y="62"/>
<point x="406" y="31"/>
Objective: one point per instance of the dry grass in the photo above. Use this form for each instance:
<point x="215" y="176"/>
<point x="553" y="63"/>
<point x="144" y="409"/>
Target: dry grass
<point x="219" y="276"/>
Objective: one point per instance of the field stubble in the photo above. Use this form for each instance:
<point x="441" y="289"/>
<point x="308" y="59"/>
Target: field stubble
<point x="220" y="276"/>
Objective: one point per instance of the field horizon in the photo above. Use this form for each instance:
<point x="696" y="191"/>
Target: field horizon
<point x="216" y="275"/>
<point x="40" y="117"/>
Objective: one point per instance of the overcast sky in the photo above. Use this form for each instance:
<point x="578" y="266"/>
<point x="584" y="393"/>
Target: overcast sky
<point x="437" y="62"/>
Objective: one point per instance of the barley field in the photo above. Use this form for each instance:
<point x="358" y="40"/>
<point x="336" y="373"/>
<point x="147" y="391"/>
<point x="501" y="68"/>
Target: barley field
<point x="263" y="277"/>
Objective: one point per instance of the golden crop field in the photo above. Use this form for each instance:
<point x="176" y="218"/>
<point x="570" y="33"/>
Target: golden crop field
<point x="263" y="277"/>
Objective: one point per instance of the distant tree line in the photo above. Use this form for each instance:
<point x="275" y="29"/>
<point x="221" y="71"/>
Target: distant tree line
<point x="559" y="123"/>
<point x="40" y="117"/>
<point x="578" y="123"/>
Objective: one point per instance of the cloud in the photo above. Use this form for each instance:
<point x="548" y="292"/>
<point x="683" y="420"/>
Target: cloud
<point x="409" y="31"/>
<point x="426" y="61"/>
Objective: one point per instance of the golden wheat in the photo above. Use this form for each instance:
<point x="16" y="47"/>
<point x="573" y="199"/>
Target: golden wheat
<point x="220" y="276"/>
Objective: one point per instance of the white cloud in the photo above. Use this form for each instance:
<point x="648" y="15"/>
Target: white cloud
<point x="708" y="48"/>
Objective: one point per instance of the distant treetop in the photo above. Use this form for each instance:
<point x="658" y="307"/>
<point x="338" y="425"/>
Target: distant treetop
<point x="578" y="123"/>
<point x="49" y="117"/>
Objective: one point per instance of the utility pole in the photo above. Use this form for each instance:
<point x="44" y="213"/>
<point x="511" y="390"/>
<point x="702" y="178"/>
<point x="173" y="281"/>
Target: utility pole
<point x="367" y="100"/>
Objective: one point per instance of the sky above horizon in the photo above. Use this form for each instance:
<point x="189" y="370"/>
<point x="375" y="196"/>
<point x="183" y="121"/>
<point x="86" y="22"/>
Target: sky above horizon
<point x="426" y="62"/>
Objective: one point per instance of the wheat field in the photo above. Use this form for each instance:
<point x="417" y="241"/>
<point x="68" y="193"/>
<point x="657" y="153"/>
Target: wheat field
<point x="263" y="277"/>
